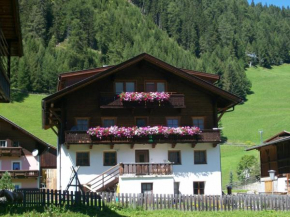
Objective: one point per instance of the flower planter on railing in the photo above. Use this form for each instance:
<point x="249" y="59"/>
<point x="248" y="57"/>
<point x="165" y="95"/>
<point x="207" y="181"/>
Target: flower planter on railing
<point x="144" y="96"/>
<point x="111" y="100"/>
<point x="133" y="132"/>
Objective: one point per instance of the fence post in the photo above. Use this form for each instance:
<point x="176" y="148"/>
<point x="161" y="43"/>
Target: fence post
<point x="24" y="199"/>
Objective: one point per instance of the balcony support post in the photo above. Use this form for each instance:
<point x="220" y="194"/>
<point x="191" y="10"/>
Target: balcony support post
<point x="112" y="146"/>
<point x="173" y="145"/>
<point x="193" y="145"/>
<point x="132" y="145"/>
<point x="214" y="144"/>
<point x="153" y="145"/>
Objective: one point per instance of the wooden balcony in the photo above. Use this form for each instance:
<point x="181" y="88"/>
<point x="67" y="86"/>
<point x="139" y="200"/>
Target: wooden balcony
<point x="10" y="151"/>
<point x="81" y="137"/>
<point x="21" y="173"/>
<point x="146" y="169"/>
<point x="110" y="100"/>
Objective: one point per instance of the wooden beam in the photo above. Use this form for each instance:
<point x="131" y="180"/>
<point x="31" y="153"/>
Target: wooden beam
<point x="214" y="145"/>
<point x="173" y="145"/>
<point x="55" y="115"/>
<point x="132" y="145"/>
<point x="193" y="145"/>
<point x="112" y="146"/>
<point x="67" y="146"/>
<point x="153" y="145"/>
<point x="91" y="146"/>
<point x="54" y="131"/>
<point x="220" y="116"/>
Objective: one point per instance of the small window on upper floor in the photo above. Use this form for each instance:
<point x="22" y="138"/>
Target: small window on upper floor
<point x="154" y="86"/>
<point x="200" y="157"/>
<point x="141" y="122"/>
<point x="82" y="159"/>
<point x="82" y="124"/>
<point x="172" y="122"/>
<point x="16" y="166"/>
<point x="128" y="86"/>
<point x="198" y="122"/>
<point x="109" y="122"/>
<point x="3" y="143"/>
<point x="16" y="144"/>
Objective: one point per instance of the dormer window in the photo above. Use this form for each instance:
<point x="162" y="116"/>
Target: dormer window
<point x="3" y="143"/>
<point x="155" y="86"/>
<point x="126" y="86"/>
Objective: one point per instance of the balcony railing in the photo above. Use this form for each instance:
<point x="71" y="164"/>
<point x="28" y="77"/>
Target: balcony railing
<point x="4" y="80"/>
<point x="81" y="137"/>
<point x="21" y="173"/>
<point x="10" y="151"/>
<point x="146" y="168"/>
<point x="111" y="100"/>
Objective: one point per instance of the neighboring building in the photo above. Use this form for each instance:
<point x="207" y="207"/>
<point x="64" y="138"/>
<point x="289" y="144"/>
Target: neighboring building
<point x="10" y="43"/>
<point x="89" y="98"/>
<point x="275" y="155"/>
<point x="17" y="156"/>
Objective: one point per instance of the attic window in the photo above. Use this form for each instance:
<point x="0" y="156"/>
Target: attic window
<point x="155" y="86"/>
<point x="124" y="87"/>
<point x="3" y="143"/>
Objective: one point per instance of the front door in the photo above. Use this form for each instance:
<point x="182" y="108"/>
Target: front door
<point x="142" y="157"/>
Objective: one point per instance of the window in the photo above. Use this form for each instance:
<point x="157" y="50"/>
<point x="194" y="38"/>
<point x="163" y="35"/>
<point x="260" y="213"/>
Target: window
<point x="124" y="87"/>
<point x="141" y="122"/>
<point x="3" y="143"/>
<point x="174" y="156"/>
<point x="110" y="158"/>
<point x="109" y="122"/>
<point x="82" y="159"/>
<point x="16" y="166"/>
<point x="146" y="188"/>
<point x="17" y="185"/>
<point x="82" y="124"/>
<point x="152" y="86"/>
<point x="176" y="187"/>
<point x="198" y="187"/>
<point x="172" y="122"/>
<point x="198" y="122"/>
<point x="199" y="157"/>
<point x="16" y="144"/>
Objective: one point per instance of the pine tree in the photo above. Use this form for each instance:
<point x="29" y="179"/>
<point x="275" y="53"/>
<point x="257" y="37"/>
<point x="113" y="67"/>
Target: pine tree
<point x="6" y="182"/>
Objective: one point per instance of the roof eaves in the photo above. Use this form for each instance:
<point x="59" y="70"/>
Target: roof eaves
<point x="269" y="143"/>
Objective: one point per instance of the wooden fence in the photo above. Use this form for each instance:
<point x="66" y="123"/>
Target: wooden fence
<point x="158" y="201"/>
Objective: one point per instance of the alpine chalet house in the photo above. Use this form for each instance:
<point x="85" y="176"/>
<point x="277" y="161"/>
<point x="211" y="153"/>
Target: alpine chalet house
<point x="10" y="43"/>
<point x="143" y="124"/>
<point x="24" y="156"/>
<point x="275" y="155"/>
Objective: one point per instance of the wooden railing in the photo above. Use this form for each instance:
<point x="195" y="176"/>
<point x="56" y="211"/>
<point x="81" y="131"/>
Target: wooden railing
<point x="104" y="180"/>
<point x="146" y="168"/>
<point x="111" y="100"/>
<point x="10" y="151"/>
<point x="4" y="79"/>
<point x="81" y="137"/>
<point x="21" y="173"/>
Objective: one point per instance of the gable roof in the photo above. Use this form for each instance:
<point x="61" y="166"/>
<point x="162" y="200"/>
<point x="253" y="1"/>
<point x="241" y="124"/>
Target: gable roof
<point x="44" y="145"/>
<point x="69" y="78"/>
<point x="278" y="136"/>
<point x="282" y="139"/>
<point x="228" y="100"/>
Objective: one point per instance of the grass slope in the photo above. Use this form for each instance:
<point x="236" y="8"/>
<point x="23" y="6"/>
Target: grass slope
<point x="27" y="114"/>
<point x="268" y="108"/>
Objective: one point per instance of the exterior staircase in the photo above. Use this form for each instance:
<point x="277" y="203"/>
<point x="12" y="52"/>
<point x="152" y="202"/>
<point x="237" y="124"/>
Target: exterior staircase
<point x="104" y="181"/>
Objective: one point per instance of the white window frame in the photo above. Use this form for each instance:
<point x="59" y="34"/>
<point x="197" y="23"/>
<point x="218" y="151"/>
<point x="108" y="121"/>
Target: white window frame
<point x="20" y="163"/>
<point x="5" y="143"/>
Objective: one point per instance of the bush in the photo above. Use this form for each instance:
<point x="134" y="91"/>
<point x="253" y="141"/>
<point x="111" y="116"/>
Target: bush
<point x="6" y="182"/>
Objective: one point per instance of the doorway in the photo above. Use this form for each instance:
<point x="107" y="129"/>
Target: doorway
<point x="142" y="156"/>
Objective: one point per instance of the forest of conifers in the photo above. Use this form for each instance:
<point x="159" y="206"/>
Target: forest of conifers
<point x="214" y="36"/>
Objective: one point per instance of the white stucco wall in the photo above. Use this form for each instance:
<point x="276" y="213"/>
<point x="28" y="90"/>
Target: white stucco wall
<point x="186" y="174"/>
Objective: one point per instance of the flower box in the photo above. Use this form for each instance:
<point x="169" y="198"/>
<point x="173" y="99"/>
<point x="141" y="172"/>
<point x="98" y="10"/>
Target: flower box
<point x="144" y="97"/>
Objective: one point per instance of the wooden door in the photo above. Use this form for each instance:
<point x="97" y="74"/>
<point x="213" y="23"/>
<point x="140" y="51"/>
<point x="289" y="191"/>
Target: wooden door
<point x="142" y="156"/>
<point x="268" y="186"/>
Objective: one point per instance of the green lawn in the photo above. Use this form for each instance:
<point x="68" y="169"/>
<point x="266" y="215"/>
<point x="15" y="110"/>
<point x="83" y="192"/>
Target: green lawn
<point x="267" y="109"/>
<point x="87" y="211"/>
<point x="26" y="112"/>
